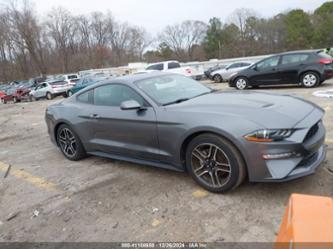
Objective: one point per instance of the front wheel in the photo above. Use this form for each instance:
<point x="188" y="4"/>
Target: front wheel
<point x="214" y="163"/>
<point x="242" y="83"/>
<point x="70" y="144"/>
<point x="217" y="78"/>
<point x="310" y="79"/>
<point x="69" y="94"/>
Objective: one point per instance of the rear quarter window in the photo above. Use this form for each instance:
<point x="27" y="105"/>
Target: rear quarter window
<point x="86" y="97"/>
<point x="172" y="65"/>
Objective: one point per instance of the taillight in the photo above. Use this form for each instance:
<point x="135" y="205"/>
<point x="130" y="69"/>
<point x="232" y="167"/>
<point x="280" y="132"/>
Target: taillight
<point x="188" y="70"/>
<point x="326" y="61"/>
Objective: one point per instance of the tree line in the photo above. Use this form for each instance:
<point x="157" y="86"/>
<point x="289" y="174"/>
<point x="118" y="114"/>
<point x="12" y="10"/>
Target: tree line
<point x="61" y="42"/>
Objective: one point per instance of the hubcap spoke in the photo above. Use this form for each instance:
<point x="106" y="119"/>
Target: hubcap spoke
<point x="211" y="165"/>
<point x="198" y="154"/>
<point x="67" y="142"/>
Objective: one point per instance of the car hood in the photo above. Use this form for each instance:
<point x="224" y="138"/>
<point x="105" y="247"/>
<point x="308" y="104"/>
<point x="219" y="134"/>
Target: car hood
<point x="265" y="109"/>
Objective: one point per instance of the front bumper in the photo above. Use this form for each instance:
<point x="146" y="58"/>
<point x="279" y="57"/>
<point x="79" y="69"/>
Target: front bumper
<point x="305" y="149"/>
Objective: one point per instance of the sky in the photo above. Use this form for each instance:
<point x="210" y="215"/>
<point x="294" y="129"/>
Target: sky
<point x="156" y="14"/>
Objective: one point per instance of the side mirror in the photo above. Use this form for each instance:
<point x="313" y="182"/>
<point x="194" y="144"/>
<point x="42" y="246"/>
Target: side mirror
<point x="254" y="67"/>
<point x="130" y="105"/>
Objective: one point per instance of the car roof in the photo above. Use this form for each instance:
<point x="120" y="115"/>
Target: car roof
<point x="130" y="79"/>
<point x="300" y="51"/>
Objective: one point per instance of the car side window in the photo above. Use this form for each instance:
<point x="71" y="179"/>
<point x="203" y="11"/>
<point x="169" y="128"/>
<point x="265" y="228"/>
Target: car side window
<point x="115" y="94"/>
<point x="294" y="58"/>
<point x="86" y="97"/>
<point x="155" y="67"/>
<point x="172" y="65"/>
<point x="270" y="62"/>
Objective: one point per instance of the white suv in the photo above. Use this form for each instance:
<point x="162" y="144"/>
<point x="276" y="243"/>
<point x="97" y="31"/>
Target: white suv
<point x="49" y="90"/>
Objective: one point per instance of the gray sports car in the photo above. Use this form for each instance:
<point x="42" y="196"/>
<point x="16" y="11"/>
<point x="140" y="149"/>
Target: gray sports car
<point x="174" y="122"/>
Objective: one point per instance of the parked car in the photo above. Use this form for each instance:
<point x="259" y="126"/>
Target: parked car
<point x="224" y="74"/>
<point x="171" y="67"/>
<point x="49" y="90"/>
<point x="174" y="122"/>
<point x="71" y="79"/>
<point x="208" y="72"/>
<point x="306" y="68"/>
<point x="8" y="96"/>
<point x="84" y="82"/>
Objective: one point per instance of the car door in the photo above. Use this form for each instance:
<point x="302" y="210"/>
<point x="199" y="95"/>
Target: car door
<point x="266" y="72"/>
<point x="290" y="66"/>
<point x="41" y="91"/>
<point x="122" y="132"/>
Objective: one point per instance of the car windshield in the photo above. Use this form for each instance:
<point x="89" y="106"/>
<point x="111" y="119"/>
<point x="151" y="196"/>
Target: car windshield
<point x="170" y="89"/>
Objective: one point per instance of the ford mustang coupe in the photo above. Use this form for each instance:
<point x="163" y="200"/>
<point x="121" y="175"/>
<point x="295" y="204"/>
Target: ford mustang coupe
<point x="174" y="122"/>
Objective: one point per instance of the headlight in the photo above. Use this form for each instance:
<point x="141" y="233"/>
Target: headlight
<point x="269" y="135"/>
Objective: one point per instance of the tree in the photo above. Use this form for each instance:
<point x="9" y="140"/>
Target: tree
<point x="181" y="38"/>
<point x="323" y="21"/>
<point x="240" y="18"/>
<point x="299" y="30"/>
<point x="62" y="28"/>
<point x="213" y="40"/>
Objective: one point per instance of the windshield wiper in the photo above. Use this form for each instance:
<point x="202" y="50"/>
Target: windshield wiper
<point x="213" y="90"/>
<point x="176" y="101"/>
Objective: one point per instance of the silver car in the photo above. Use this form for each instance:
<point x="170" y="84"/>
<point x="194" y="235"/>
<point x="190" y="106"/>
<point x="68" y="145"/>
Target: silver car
<point x="224" y="74"/>
<point x="173" y="122"/>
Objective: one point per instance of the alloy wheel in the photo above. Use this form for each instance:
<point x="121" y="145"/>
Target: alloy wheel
<point x="217" y="78"/>
<point x="309" y="80"/>
<point x="211" y="165"/>
<point x="67" y="142"/>
<point x="241" y="84"/>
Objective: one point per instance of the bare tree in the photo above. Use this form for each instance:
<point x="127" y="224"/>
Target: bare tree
<point x="61" y="28"/>
<point x="27" y="33"/>
<point x="182" y="38"/>
<point x="240" y="18"/>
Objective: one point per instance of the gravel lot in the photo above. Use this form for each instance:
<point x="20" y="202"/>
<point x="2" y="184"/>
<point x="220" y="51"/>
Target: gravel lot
<point x="48" y="198"/>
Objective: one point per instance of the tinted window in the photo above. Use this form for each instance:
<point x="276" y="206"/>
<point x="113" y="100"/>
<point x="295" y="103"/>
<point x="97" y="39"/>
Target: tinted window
<point x="172" y="65"/>
<point x="294" y="58"/>
<point x="235" y="65"/>
<point x="155" y="67"/>
<point x="115" y="94"/>
<point x="72" y="77"/>
<point x="58" y="83"/>
<point x="270" y="62"/>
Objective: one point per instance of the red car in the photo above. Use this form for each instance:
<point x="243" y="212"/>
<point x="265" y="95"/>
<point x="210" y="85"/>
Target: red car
<point x="15" y="95"/>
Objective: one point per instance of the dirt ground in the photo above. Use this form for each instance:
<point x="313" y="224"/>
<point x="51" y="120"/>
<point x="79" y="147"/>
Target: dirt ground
<point x="48" y="198"/>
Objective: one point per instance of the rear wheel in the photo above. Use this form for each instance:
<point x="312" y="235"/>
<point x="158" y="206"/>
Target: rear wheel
<point x="310" y="79"/>
<point x="214" y="163"/>
<point x="218" y="78"/>
<point x="241" y="83"/>
<point x="70" y="144"/>
<point x="49" y="96"/>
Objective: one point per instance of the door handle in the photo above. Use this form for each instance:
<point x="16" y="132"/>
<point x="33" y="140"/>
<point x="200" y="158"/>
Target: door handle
<point x="94" y="116"/>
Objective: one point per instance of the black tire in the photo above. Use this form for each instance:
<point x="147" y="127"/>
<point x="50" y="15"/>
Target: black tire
<point x="217" y="78"/>
<point x="321" y="82"/>
<point x="69" y="93"/>
<point x="49" y="96"/>
<point x="310" y="79"/>
<point x="71" y="146"/>
<point x="224" y="150"/>
<point x="241" y="83"/>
